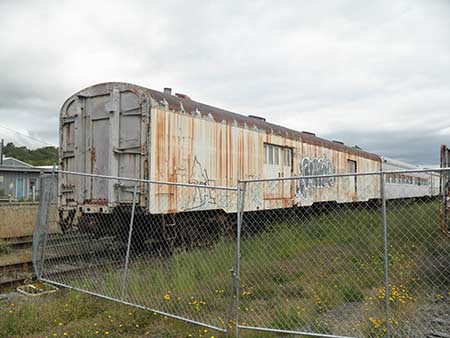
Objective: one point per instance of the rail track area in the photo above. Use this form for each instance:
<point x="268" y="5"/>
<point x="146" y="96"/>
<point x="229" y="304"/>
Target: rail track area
<point x="65" y="253"/>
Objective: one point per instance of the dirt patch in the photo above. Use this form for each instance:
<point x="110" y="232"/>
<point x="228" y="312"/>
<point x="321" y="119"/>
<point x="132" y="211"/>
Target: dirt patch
<point x="19" y="219"/>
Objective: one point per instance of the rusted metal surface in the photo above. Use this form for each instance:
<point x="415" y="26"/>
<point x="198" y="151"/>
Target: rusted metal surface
<point x="125" y="130"/>
<point x="219" y="115"/>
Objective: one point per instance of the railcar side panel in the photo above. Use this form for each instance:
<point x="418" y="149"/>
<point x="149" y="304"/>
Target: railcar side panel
<point x="407" y="185"/>
<point x="192" y="148"/>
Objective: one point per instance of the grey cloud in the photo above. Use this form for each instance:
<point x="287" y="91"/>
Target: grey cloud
<point x="370" y="73"/>
<point x="418" y="147"/>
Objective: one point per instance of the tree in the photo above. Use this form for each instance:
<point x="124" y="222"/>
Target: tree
<point x="41" y="156"/>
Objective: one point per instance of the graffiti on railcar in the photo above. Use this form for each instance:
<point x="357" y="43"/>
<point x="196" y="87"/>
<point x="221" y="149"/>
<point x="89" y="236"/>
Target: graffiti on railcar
<point x="200" y="198"/>
<point x="311" y="167"/>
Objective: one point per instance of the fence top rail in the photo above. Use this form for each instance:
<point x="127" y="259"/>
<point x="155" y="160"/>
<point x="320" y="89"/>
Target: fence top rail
<point x="368" y="173"/>
<point x="139" y="180"/>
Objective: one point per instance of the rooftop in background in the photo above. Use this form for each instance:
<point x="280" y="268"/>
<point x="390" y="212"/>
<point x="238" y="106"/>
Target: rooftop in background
<point x="13" y="164"/>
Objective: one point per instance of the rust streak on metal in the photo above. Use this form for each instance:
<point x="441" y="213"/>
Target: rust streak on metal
<point x="276" y="198"/>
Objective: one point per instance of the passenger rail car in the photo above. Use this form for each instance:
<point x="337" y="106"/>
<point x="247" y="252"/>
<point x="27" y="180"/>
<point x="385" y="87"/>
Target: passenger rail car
<point x="124" y="130"/>
<point x="408" y="185"/>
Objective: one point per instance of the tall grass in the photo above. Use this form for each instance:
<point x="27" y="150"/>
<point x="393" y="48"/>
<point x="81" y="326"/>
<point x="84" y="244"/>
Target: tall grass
<point x="321" y="271"/>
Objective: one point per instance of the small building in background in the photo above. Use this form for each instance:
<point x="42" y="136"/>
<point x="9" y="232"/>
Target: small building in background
<point x="19" y="181"/>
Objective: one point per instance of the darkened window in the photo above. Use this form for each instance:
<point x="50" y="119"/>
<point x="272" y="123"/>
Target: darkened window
<point x="286" y="157"/>
<point x="277" y="155"/>
<point x="351" y="166"/>
<point x="266" y="153"/>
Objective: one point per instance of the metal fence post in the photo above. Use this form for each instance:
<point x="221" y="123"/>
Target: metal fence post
<point x="385" y="253"/>
<point x="130" y="233"/>
<point x="40" y="234"/>
<point x="234" y="269"/>
<point x="230" y="304"/>
<point x="240" y="210"/>
<point x="38" y="242"/>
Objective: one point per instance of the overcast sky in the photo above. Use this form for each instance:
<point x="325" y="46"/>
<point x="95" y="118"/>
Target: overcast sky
<point x="369" y="73"/>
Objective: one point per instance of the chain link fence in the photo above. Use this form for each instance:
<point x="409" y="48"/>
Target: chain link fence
<point x="172" y="263"/>
<point x="350" y="255"/>
<point x="375" y="266"/>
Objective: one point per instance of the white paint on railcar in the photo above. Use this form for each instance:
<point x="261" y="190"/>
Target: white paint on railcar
<point x="407" y="185"/>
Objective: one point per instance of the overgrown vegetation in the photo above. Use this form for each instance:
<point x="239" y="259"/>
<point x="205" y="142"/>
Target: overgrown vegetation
<point x="73" y="314"/>
<point x="4" y="247"/>
<point x="41" y="156"/>
<point x="317" y="271"/>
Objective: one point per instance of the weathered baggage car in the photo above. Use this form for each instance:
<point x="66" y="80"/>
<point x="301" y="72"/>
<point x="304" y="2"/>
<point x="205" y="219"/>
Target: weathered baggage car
<point x="120" y="129"/>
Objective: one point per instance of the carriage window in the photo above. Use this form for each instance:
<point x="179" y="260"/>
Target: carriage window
<point x="286" y="160"/>
<point x="276" y="156"/>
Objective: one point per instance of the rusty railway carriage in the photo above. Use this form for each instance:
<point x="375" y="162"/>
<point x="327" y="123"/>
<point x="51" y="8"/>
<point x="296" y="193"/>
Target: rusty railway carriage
<point x="120" y="129"/>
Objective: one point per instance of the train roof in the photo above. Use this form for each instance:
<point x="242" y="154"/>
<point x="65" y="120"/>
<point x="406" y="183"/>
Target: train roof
<point x="184" y="103"/>
<point x="398" y="163"/>
<point x="408" y="166"/>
